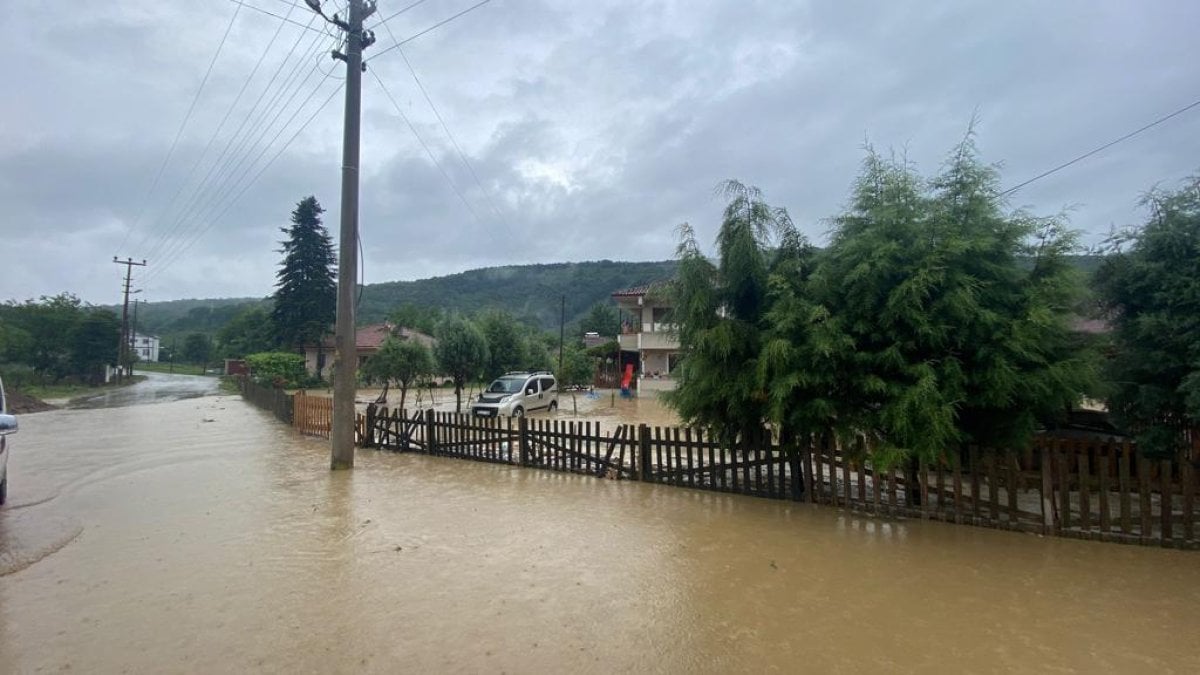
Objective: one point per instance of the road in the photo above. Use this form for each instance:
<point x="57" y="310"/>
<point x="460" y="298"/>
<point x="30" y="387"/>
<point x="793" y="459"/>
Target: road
<point x="179" y="531"/>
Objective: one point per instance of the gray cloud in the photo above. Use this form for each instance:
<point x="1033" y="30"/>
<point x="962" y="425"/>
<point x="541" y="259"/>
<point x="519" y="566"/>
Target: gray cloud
<point x="593" y="129"/>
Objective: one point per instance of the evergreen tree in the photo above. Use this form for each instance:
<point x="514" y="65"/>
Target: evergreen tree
<point x="1152" y="295"/>
<point x="306" y="290"/>
<point x="720" y="311"/>
<point x="937" y="334"/>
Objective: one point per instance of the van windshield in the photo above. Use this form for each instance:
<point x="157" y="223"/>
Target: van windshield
<point x="506" y="385"/>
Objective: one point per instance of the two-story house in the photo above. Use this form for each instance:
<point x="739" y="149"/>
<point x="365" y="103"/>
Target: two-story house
<point x="145" y="347"/>
<point x="646" y="338"/>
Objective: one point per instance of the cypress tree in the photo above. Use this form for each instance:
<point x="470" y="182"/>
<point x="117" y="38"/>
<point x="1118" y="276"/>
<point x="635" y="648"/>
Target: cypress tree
<point x="1152" y="295"/>
<point x="306" y="287"/>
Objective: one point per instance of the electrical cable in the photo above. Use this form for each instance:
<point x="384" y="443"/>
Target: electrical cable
<point x="395" y="14"/>
<point x="228" y="183"/>
<point x="426" y="146"/>
<point x="247" y="184"/>
<point x="435" y="26"/>
<point x="179" y="132"/>
<point x="1106" y="146"/>
<point x="260" y="10"/>
<point x="211" y="139"/>
<point x="461" y="155"/>
<point x="216" y="177"/>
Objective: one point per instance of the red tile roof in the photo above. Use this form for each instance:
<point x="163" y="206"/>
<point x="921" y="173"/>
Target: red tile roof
<point x="369" y="338"/>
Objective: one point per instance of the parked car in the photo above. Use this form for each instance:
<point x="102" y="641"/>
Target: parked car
<point x="8" y="425"/>
<point x="515" y="394"/>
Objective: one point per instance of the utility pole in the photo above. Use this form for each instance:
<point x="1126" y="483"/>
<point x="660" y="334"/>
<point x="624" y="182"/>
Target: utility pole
<point x="562" y="328"/>
<point x="133" y="338"/>
<point x="123" y="346"/>
<point x="346" y="352"/>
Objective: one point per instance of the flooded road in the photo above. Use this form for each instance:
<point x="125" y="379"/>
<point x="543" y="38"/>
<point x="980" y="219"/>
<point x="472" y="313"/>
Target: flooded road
<point x="199" y="535"/>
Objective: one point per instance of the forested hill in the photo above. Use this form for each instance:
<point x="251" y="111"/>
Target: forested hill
<point x="532" y="293"/>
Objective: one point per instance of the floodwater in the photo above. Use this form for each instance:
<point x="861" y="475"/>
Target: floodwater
<point x="199" y="535"/>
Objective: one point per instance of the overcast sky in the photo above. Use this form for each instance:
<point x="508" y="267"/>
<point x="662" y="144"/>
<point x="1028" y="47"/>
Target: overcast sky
<point x="590" y="129"/>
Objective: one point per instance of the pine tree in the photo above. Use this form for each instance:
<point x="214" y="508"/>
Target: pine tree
<point x="720" y="310"/>
<point x="1152" y="294"/>
<point x="940" y="334"/>
<point x="306" y="287"/>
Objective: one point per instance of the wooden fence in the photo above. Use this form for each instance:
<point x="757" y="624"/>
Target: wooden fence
<point x="1092" y="488"/>
<point x="312" y="415"/>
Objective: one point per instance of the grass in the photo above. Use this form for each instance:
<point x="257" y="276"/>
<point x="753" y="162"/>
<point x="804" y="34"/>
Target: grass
<point x="52" y="391"/>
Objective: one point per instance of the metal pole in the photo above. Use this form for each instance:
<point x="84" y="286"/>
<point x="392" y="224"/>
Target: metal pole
<point x="562" y="327"/>
<point x="346" y="353"/>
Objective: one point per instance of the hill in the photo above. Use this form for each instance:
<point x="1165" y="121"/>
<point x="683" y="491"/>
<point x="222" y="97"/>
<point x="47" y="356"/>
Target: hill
<point x="532" y="293"/>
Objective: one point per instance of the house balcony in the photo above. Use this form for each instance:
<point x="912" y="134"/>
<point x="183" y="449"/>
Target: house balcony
<point x="642" y="341"/>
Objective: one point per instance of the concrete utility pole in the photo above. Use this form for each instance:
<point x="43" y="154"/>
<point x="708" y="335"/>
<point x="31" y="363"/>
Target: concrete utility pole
<point x="123" y="345"/>
<point x="133" y="337"/>
<point x="346" y="353"/>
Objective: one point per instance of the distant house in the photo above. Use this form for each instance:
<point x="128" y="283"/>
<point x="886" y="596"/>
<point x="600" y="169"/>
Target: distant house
<point x="594" y="339"/>
<point x="367" y="340"/>
<point x="646" y="339"/>
<point x="144" y="347"/>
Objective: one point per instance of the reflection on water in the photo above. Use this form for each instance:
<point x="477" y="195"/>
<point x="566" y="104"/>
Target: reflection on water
<point x="201" y="536"/>
<point x="156" y="388"/>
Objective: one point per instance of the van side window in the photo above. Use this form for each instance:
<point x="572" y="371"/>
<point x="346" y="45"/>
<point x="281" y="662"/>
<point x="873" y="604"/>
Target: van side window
<point x="531" y="387"/>
<point x="547" y="383"/>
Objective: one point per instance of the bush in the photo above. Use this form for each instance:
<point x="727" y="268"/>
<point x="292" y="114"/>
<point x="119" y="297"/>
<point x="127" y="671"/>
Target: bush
<point x="278" y="369"/>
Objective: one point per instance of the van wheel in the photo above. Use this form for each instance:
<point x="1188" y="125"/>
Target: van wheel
<point x="518" y="412"/>
<point x="553" y="406"/>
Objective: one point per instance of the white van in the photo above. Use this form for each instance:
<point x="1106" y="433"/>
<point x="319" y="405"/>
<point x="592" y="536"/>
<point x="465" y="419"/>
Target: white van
<point x="8" y="425"/>
<point x="515" y="394"/>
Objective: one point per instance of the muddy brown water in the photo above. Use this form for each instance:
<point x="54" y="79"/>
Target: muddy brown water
<point x="199" y="535"/>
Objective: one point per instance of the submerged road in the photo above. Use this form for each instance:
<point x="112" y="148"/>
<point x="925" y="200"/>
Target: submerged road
<point x="189" y="532"/>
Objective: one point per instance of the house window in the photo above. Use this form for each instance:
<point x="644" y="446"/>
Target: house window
<point x="659" y="318"/>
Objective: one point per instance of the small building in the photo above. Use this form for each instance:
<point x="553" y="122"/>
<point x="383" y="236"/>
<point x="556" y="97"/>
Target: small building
<point x="647" y="340"/>
<point x="367" y="340"/>
<point x="144" y="347"/>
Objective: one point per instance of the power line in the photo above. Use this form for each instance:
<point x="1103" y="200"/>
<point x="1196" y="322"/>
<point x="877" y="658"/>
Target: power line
<point x="246" y="184"/>
<point x="1106" y="146"/>
<point x="191" y="108"/>
<point x="220" y="172"/>
<point x="435" y="26"/>
<point x="424" y="145"/>
<point x="462" y="155"/>
<point x="233" y="105"/>
<point x="395" y="14"/>
<point x="260" y="10"/>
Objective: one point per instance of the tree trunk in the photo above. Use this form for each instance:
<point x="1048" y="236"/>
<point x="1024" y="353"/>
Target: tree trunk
<point x="458" y="386"/>
<point x="403" y="393"/>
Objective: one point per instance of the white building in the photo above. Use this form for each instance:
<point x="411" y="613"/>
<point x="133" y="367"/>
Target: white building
<point x="144" y="347"/>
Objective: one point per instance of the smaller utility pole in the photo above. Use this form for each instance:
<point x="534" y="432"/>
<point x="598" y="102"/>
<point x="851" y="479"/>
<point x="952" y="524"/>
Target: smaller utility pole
<point x="123" y="345"/>
<point x="133" y="338"/>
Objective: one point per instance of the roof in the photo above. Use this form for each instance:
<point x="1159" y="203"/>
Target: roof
<point x="369" y="338"/>
<point x="635" y="291"/>
<point x="1090" y="326"/>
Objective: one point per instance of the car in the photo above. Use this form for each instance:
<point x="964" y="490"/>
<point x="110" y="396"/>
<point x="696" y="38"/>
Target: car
<point x="516" y="394"/>
<point x="8" y="425"/>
